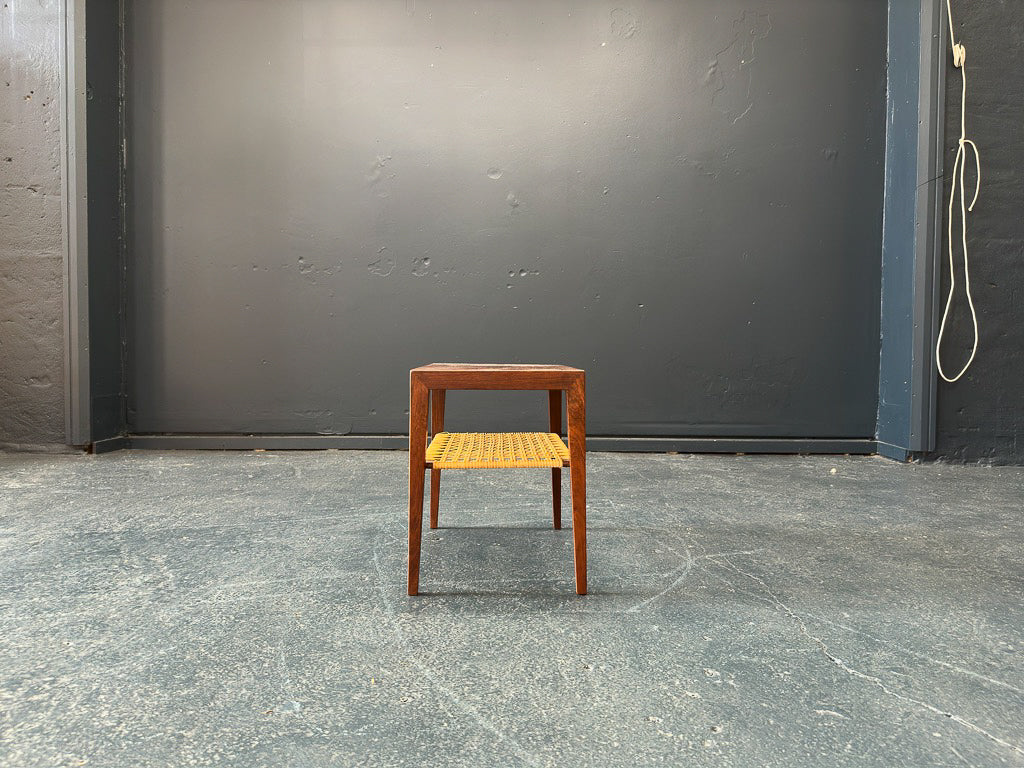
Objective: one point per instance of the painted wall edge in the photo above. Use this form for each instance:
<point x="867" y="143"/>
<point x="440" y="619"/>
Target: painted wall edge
<point x="77" y="411"/>
<point x="907" y="376"/>
<point x="92" y="411"/>
<point x="928" y="223"/>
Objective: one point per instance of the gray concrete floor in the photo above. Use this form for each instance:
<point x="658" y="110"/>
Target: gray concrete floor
<point x="248" y="609"/>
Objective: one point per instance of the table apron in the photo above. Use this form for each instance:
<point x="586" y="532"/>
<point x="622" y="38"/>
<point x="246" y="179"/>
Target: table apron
<point x="488" y="381"/>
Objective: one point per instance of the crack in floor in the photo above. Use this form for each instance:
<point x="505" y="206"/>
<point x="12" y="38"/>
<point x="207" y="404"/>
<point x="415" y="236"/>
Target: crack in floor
<point x="856" y="672"/>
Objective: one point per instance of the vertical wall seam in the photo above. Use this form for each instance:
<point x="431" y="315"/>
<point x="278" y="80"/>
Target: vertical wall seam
<point x="928" y="238"/>
<point x="65" y="140"/>
<point x="122" y="95"/>
<point x="939" y="170"/>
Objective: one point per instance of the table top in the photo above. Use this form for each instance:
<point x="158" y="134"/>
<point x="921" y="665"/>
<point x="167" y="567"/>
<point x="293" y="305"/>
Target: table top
<point x="495" y="367"/>
<point x="496" y="376"/>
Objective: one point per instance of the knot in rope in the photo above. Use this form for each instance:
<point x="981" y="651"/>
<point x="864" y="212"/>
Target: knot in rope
<point x="959" y="55"/>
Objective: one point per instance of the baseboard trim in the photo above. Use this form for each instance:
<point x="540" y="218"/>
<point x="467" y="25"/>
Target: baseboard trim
<point x="110" y="444"/>
<point x="401" y="442"/>
<point x="730" y="445"/>
<point x="270" y="442"/>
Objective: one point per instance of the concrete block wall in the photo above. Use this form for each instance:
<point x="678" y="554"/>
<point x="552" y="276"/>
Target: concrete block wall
<point x="31" y="251"/>
<point x="981" y="417"/>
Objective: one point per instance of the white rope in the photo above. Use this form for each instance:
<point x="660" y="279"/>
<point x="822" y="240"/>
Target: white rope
<point x="959" y="61"/>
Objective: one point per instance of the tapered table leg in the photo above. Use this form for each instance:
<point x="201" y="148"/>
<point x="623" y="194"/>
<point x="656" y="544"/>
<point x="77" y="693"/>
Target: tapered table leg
<point x="577" y="418"/>
<point x="417" y="463"/>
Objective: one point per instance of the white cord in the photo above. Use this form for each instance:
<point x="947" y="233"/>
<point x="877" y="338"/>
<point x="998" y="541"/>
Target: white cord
<point x="959" y="60"/>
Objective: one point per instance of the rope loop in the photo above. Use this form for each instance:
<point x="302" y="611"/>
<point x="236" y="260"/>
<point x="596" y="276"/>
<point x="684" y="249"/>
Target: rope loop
<point x="958" y="191"/>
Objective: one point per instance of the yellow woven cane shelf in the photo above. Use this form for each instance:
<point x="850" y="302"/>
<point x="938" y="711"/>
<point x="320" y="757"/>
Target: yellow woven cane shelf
<point x="496" y="450"/>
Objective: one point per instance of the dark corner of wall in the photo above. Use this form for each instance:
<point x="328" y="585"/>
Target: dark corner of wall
<point x="106" y="204"/>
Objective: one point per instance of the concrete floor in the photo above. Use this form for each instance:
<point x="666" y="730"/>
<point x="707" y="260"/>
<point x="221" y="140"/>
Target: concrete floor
<point x="248" y="609"/>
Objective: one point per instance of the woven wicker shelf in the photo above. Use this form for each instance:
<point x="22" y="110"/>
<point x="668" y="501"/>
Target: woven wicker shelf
<point x="496" y="450"/>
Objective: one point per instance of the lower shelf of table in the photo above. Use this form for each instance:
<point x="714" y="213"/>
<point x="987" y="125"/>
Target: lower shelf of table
<point x="496" y="450"/>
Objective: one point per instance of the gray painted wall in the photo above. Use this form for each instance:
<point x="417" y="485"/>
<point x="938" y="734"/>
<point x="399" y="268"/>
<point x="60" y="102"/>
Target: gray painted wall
<point x="981" y="417"/>
<point x="31" y="250"/>
<point x="682" y="198"/>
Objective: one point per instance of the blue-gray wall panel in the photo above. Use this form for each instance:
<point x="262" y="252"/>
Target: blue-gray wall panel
<point x="898" y="239"/>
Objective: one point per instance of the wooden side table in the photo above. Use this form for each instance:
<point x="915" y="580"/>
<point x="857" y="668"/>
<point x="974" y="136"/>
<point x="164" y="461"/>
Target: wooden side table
<point x="498" y="450"/>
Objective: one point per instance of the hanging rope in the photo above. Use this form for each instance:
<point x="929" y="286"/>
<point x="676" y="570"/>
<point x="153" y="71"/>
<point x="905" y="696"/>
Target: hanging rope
<point x="959" y="61"/>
